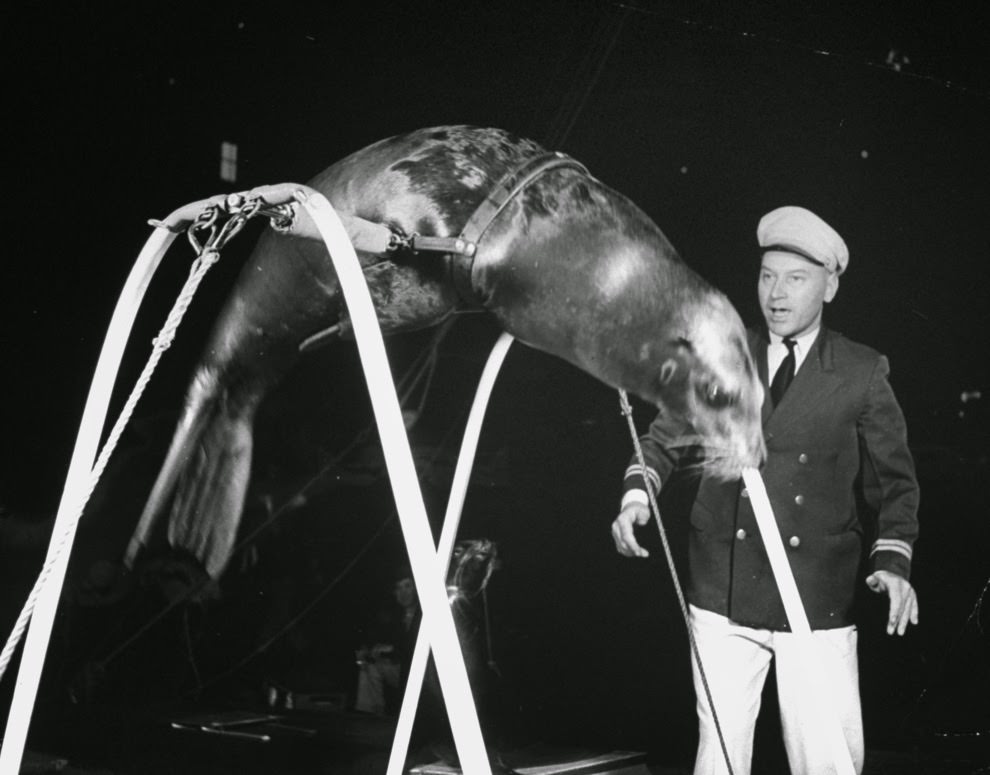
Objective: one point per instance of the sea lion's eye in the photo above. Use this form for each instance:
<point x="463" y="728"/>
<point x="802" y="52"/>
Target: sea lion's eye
<point x="667" y="371"/>
<point x="716" y="396"/>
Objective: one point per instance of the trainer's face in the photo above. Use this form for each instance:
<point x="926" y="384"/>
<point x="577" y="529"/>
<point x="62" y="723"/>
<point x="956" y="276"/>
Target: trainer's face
<point x="792" y="292"/>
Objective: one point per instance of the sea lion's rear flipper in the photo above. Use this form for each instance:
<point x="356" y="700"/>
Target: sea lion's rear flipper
<point x="209" y="500"/>
<point x="208" y="468"/>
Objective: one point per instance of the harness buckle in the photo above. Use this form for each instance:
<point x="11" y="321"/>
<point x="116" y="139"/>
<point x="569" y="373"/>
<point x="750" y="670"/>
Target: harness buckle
<point x="459" y="245"/>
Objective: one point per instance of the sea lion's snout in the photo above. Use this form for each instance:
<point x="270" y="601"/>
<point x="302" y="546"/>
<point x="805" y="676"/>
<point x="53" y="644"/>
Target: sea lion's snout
<point x="713" y="383"/>
<point x="730" y="413"/>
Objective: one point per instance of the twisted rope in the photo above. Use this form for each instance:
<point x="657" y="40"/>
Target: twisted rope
<point x="206" y="259"/>
<point x="627" y="411"/>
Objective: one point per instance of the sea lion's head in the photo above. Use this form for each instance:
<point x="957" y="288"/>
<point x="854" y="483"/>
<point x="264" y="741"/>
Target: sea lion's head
<point x="706" y="376"/>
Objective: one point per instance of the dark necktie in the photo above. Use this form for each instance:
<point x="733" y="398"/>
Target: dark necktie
<point x="784" y="375"/>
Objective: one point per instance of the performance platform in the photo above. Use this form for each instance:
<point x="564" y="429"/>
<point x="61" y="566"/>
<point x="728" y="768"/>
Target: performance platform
<point x="534" y="762"/>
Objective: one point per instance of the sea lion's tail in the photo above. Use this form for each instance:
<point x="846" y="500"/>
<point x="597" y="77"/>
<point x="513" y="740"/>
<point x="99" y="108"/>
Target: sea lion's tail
<point x="208" y="467"/>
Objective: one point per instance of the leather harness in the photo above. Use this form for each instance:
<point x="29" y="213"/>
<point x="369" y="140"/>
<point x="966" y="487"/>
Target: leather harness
<point x="461" y="250"/>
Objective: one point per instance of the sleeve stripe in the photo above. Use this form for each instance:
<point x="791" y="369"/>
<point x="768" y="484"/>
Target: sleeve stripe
<point x="637" y="470"/>
<point x="891" y="545"/>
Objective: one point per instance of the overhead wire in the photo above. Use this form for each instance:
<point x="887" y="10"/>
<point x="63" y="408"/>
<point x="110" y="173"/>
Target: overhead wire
<point x="975" y="618"/>
<point x="561" y="129"/>
<point x="308" y="607"/>
<point x="584" y="79"/>
<point x="424" y="365"/>
<point x="300" y="614"/>
<point x="891" y="64"/>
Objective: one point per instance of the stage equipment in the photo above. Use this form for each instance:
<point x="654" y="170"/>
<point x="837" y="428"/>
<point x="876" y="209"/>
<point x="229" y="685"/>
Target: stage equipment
<point x="321" y="219"/>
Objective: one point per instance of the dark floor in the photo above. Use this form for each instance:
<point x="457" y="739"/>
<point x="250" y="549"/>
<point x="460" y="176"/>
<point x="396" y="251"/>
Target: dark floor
<point x="111" y="741"/>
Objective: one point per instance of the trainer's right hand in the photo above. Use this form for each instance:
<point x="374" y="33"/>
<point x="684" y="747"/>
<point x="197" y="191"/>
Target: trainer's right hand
<point x="623" y="530"/>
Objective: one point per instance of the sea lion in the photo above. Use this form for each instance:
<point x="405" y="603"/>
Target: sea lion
<point x="566" y="264"/>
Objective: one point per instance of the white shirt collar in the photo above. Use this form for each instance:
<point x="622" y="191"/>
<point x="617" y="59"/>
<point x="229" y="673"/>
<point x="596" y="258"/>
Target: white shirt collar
<point x="777" y="350"/>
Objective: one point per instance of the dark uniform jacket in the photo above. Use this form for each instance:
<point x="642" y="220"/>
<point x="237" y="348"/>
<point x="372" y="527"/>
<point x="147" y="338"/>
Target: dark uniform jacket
<point x="837" y="428"/>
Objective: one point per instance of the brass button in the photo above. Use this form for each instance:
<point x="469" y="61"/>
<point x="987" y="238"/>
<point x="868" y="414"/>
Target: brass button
<point x="794" y="541"/>
<point x="799" y="500"/>
<point x="740" y="534"/>
<point x="802" y="458"/>
<point x="744" y="493"/>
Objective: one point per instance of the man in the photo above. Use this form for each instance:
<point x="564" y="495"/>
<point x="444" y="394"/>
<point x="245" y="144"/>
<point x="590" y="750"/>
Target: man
<point x="384" y="666"/>
<point x="831" y="422"/>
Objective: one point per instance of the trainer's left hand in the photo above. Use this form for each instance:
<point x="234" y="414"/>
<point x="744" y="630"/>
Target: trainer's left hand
<point x="903" y="600"/>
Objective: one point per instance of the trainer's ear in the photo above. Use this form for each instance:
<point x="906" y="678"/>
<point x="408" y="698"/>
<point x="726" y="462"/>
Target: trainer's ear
<point x="831" y="286"/>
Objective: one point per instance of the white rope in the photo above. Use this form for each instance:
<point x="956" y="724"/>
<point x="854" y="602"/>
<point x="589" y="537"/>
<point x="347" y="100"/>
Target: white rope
<point x="161" y="343"/>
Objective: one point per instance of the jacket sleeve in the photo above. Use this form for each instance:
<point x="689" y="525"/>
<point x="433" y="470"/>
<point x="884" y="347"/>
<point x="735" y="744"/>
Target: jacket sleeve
<point x="890" y="486"/>
<point x="667" y="442"/>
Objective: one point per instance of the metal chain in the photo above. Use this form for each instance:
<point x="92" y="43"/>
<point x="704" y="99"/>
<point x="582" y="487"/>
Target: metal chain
<point x="281" y="217"/>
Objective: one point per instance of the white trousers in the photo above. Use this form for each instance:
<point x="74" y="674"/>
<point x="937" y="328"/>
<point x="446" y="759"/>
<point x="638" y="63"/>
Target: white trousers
<point x="736" y="660"/>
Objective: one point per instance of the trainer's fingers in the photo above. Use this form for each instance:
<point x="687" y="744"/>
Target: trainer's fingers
<point x="905" y="602"/>
<point x="874" y="583"/>
<point x="898" y="617"/>
<point x="909" y="612"/>
<point x="625" y="538"/>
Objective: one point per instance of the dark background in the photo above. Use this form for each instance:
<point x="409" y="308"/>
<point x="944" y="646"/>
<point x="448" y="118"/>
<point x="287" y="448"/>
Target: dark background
<point x="706" y="114"/>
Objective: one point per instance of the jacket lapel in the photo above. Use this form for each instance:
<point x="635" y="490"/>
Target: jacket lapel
<point x="813" y="383"/>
